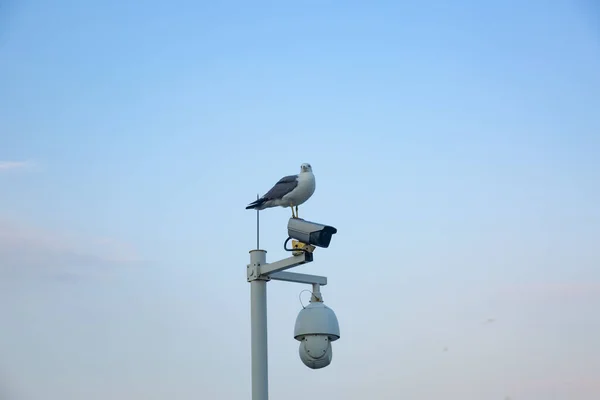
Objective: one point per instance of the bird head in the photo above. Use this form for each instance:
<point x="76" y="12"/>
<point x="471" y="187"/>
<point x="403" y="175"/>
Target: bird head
<point x="305" y="168"/>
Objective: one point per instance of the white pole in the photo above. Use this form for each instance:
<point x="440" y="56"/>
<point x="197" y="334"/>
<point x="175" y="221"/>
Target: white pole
<point x="258" y="322"/>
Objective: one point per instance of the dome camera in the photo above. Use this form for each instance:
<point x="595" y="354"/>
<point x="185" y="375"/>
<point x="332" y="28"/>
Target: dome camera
<point x="316" y="327"/>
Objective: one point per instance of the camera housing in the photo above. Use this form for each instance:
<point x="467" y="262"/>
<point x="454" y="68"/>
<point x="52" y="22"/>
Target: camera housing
<point x="316" y="327"/>
<point x="311" y="233"/>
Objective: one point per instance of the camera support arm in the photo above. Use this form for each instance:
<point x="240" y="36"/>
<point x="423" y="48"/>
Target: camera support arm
<point x="276" y="271"/>
<point x="299" y="278"/>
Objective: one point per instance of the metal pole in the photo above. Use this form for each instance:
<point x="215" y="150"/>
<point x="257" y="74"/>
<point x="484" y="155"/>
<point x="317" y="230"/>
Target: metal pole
<point x="316" y="293"/>
<point x="258" y="322"/>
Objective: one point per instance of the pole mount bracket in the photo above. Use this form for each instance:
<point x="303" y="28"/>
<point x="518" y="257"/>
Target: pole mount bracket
<point x="253" y="273"/>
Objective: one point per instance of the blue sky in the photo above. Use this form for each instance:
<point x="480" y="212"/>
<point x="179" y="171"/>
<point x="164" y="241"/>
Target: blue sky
<point x="455" y="147"/>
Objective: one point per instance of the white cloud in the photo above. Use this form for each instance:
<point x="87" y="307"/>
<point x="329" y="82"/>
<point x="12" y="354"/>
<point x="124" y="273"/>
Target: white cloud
<point x="23" y="246"/>
<point x="11" y="165"/>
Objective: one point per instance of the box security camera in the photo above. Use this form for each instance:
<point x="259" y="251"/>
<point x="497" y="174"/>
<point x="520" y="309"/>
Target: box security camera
<point x="310" y="232"/>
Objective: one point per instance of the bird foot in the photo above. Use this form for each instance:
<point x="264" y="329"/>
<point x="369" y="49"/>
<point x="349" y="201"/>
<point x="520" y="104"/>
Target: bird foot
<point x="294" y="215"/>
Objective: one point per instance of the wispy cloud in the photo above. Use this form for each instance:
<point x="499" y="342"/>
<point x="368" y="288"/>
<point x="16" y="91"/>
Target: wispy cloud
<point x="559" y="291"/>
<point x="22" y="246"/>
<point x="575" y="385"/>
<point x="12" y="165"/>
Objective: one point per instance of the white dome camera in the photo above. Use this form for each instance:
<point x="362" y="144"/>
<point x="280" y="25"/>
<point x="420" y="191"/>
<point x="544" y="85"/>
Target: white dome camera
<point x="316" y="327"/>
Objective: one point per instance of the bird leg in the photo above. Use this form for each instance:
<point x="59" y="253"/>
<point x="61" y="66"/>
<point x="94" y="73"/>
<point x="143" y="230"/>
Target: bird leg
<point x="292" y="207"/>
<point x="297" y="216"/>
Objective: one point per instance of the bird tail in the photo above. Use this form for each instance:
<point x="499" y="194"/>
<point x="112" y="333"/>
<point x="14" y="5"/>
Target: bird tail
<point x="255" y="204"/>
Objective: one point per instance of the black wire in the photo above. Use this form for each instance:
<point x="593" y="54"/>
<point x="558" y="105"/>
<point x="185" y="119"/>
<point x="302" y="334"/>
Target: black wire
<point x="285" y="245"/>
<point x="292" y="249"/>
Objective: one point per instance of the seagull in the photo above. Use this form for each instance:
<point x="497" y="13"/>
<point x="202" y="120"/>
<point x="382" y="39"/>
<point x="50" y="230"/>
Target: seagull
<point x="290" y="191"/>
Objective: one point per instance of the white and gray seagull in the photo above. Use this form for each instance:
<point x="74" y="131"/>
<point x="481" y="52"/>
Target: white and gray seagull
<point x="290" y="191"/>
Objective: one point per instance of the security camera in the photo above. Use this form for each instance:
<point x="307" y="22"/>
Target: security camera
<point x="310" y="232"/>
<point x="316" y="327"/>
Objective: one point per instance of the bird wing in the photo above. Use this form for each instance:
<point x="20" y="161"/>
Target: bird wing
<point x="281" y="188"/>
